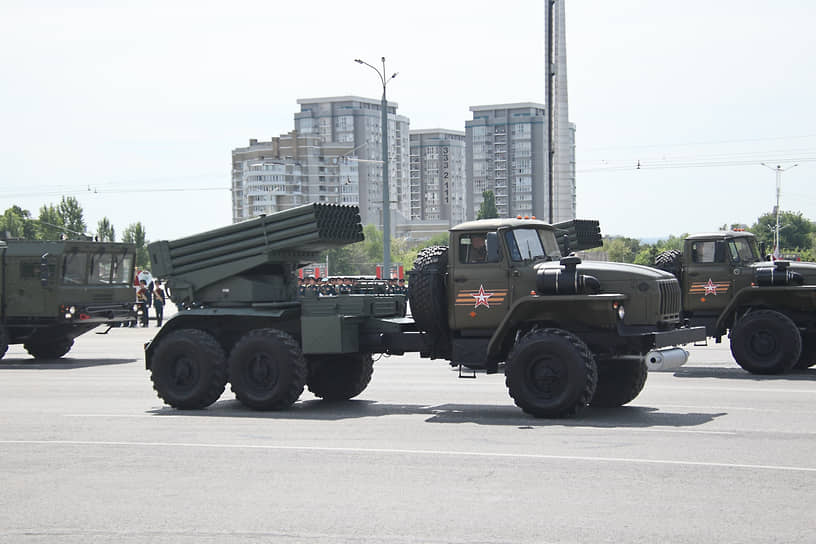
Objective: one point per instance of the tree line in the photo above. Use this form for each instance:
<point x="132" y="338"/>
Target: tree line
<point x="65" y="221"/>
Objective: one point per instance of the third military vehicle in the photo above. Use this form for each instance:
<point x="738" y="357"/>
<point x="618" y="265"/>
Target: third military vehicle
<point x="567" y="333"/>
<point x="768" y="308"/>
<point x="53" y="291"/>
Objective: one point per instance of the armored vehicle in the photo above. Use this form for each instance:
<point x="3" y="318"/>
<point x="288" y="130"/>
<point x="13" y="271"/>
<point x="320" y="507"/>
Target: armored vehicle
<point x="54" y="291"/>
<point x="767" y="308"/>
<point x="569" y="333"/>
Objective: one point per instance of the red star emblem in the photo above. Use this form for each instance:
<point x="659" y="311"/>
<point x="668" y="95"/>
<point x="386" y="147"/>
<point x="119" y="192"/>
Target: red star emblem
<point x="482" y="297"/>
<point x="710" y="287"/>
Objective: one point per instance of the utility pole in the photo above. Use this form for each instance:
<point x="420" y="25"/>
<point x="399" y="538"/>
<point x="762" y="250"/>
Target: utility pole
<point x="386" y="218"/>
<point x="778" y="171"/>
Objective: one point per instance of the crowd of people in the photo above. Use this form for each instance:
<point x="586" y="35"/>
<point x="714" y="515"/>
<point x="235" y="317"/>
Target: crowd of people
<point x="313" y="286"/>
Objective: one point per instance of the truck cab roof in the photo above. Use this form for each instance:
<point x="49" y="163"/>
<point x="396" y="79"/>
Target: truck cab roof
<point x="720" y="235"/>
<point x="493" y="224"/>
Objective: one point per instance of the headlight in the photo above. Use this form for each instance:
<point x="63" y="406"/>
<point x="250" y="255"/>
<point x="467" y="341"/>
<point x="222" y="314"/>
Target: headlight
<point x="72" y="309"/>
<point x="619" y="309"/>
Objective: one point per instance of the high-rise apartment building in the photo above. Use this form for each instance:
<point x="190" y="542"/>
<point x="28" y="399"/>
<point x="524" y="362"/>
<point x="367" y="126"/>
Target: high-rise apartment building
<point x="437" y="176"/>
<point x="507" y="154"/>
<point x="356" y="121"/>
<point x="288" y="171"/>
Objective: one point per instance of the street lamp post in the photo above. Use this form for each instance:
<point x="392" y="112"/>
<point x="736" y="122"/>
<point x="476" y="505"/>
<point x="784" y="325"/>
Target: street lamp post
<point x="778" y="171"/>
<point x="385" y="183"/>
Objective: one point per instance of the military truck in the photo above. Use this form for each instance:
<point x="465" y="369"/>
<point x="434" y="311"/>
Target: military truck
<point x="767" y="308"/>
<point x="568" y="333"/>
<point x="53" y="291"/>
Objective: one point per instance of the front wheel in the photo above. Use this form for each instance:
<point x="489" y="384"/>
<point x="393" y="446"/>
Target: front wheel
<point x="766" y="342"/>
<point x="808" y="357"/>
<point x="267" y="370"/>
<point x="188" y="369"/>
<point x="339" y="377"/>
<point x="49" y="349"/>
<point x="619" y="381"/>
<point x="551" y="373"/>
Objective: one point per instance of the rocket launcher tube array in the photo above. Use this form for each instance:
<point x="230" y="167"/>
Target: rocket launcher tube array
<point x="285" y="236"/>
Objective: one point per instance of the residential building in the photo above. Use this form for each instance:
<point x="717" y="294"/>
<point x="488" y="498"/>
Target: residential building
<point x="288" y="171"/>
<point x="355" y="122"/>
<point x="437" y="191"/>
<point x="506" y="153"/>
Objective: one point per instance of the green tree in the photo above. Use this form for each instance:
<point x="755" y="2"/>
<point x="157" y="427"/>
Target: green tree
<point x="49" y="223"/>
<point x="488" y="208"/>
<point x="794" y="234"/>
<point x="621" y="249"/>
<point x="135" y="234"/>
<point x="104" y="231"/>
<point x="70" y="212"/>
<point x="16" y="223"/>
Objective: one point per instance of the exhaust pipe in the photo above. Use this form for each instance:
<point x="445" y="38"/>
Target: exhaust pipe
<point x="666" y="360"/>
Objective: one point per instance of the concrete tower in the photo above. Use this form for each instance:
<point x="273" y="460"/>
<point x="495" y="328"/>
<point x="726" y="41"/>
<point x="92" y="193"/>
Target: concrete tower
<point x="562" y="141"/>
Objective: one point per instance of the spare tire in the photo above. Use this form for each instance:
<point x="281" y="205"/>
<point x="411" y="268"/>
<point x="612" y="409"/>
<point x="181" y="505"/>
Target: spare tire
<point x="670" y="261"/>
<point x="426" y="291"/>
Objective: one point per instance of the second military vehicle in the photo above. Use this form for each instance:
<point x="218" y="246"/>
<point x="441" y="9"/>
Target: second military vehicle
<point x="53" y="291"/>
<point x="569" y="334"/>
<point x="768" y="308"/>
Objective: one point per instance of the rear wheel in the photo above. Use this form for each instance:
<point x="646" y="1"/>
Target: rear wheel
<point x="619" y="381"/>
<point x="267" y="370"/>
<point x="766" y="342"/>
<point x="188" y="369"/>
<point x="551" y="373"/>
<point x="49" y="349"/>
<point x="808" y="357"/>
<point x="339" y="377"/>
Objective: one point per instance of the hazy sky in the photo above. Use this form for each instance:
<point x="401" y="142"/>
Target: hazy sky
<point x="134" y="107"/>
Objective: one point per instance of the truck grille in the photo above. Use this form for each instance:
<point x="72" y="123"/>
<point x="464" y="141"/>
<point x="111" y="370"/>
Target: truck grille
<point x="670" y="295"/>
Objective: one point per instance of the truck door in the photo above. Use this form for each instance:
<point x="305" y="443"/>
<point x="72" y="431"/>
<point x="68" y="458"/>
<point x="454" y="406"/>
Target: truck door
<point x="708" y="286"/>
<point x="478" y="292"/>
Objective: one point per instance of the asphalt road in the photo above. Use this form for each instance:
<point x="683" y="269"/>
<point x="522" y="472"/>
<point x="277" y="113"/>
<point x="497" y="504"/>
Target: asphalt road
<point x="709" y="453"/>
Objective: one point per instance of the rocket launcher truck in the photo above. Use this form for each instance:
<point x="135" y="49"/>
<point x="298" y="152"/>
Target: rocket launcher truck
<point x="567" y="334"/>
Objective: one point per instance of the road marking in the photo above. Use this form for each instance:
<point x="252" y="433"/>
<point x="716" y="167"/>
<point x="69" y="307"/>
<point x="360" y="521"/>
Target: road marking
<point x="441" y="453"/>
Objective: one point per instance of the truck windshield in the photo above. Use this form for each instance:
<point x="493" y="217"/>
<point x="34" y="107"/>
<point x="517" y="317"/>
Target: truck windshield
<point x="110" y="268"/>
<point x="743" y="250"/>
<point x="532" y="244"/>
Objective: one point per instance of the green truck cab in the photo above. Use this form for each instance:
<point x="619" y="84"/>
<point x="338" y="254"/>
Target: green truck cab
<point x="54" y="291"/>
<point x="767" y="308"/>
<point x="546" y="317"/>
<point x="569" y="333"/>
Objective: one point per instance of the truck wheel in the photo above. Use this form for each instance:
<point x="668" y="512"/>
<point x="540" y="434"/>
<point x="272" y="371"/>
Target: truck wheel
<point x="53" y="349"/>
<point x="808" y="357"/>
<point x="4" y="340"/>
<point x="551" y="373"/>
<point x="670" y="262"/>
<point x="766" y="342"/>
<point x="188" y="369"/>
<point x="426" y="292"/>
<point x="619" y="381"/>
<point x="267" y="370"/>
<point x="339" y="377"/>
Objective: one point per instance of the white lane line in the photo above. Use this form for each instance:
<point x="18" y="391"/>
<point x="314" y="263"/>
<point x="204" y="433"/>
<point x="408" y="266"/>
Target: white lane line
<point x="440" y="453"/>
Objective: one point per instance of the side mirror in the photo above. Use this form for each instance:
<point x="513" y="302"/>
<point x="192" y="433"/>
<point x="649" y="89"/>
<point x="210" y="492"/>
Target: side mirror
<point x="44" y="275"/>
